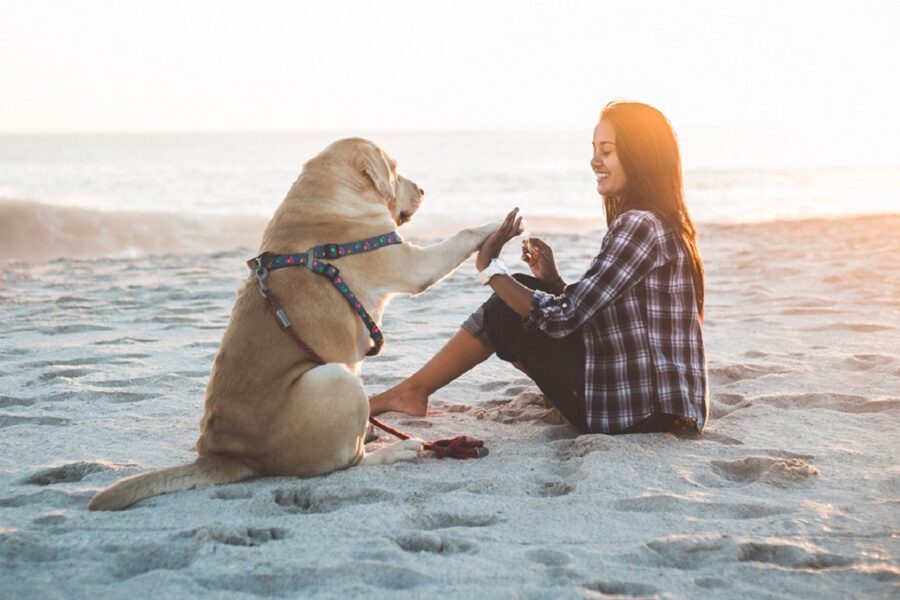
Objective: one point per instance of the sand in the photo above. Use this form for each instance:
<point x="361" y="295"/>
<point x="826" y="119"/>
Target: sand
<point x="793" y="491"/>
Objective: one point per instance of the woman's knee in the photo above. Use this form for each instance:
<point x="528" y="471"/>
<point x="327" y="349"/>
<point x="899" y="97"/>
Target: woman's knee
<point x="498" y="310"/>
<point x="498" y="315"/>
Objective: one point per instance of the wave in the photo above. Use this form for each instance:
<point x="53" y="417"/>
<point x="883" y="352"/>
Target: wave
<point x="35" y="232"/>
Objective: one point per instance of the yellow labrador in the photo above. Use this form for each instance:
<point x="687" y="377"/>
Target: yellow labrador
<point x="270" y="408"/>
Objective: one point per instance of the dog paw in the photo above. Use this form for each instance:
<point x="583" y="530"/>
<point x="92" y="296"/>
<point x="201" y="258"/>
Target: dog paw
<point x="408" y="449"/>
<point x="405" y="450"/>
<point x="481" y="233"/>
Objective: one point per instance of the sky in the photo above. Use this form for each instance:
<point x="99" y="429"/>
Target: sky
<point x="815" y="76"/>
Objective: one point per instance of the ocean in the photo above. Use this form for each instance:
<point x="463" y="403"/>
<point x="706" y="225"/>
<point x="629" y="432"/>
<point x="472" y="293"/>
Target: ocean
<point x="468" y="176"/>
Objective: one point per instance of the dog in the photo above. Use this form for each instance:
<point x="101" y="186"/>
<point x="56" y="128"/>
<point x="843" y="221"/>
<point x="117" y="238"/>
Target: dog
<point x="271" y="409"/>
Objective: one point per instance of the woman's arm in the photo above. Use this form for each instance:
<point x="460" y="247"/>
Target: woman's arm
<point x="535" y="252"/>
<point x="517" y="296"/>
<point x="538" y="255"/>
<point x="631" y="250"/>
<point x="629" y="253"/>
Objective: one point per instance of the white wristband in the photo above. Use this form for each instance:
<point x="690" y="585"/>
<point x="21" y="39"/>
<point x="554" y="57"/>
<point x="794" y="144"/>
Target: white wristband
<point x="496" y="267"/>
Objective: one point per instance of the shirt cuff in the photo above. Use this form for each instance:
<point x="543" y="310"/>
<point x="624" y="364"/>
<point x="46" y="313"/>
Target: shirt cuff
<point x="542" y="306"/>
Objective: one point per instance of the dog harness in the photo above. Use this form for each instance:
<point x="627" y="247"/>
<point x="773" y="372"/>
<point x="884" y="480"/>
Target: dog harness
<point x="314" y="259"/>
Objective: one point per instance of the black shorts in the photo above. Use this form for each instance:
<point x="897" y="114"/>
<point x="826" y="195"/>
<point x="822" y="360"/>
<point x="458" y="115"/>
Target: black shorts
<point x="555" y="365"/>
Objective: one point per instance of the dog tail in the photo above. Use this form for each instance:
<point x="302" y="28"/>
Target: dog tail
<point x="206" y="470"/>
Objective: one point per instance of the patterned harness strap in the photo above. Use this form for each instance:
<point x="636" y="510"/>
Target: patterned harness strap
<point x="312" y="259"/>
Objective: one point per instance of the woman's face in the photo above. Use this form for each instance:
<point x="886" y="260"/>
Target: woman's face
<point x="605" y="163"/>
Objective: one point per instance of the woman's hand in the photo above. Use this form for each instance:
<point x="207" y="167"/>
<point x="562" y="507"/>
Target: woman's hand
<point x="539" y="256"/>
<point x="491" y="247"/>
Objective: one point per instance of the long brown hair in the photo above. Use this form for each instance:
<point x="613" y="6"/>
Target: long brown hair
<point x="648" y="149"/>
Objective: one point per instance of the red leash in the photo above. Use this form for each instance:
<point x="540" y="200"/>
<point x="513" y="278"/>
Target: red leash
<point x="458" y="447"/>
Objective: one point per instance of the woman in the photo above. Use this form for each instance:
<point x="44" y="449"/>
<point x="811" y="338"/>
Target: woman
<point x="620" y="350"/>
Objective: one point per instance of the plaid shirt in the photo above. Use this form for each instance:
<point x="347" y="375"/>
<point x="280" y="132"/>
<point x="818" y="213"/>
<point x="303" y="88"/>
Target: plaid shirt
<point x="636" y="310"/>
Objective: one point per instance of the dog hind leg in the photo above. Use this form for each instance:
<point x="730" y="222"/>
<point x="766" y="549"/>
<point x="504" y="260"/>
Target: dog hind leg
<point x="323" y="427"/>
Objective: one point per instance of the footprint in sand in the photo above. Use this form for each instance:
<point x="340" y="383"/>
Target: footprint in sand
<point x="583" y="445"/>
<point x="18" y="546"/>
<point x="516" y="390"/>
<point x="50" y="497"/>
<point x="432" y="543"/>
<point x="432" y="521"/>
<point x="779" y="472"/>
<point x="119" y="383"/>
<point x="137" y="560"/>
<point x="66" y="473"/>
<point x="231" y="493"/>
<point x="15" y="401"/>
<point x="123" y="397"/>
<point x="235" y="536"/>
<point x="191" y="374"/>
<point x="711" y="583"/>
<point x="720" y="438"/>
<point x="65" y="374"/>
<point x="724" y="404"/>
<point x="50" y="520"/>
<point x="622" y="589"/>
<point x="490" y="386"/>
<point x="310" y="501"/>
<point x="667" y="503"/>
<point x="553" y="489"/>
<point x="66" y="329"/>
<point x="864" y="362"/>
<point x="790" y="556"/>
<point x="528" y="406"/>
<point x="740" y="372"/>
<point x="689" y="551"/>
<point x="548" y="557"/>
<point x="269" y="580"/>
<point x="210" y="345"/>
<point x="846" y="403"/>
<point x="12" y="420"/>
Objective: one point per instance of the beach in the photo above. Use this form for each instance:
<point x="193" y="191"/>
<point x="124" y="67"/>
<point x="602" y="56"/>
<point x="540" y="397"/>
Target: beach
<point x="792" y="491"/>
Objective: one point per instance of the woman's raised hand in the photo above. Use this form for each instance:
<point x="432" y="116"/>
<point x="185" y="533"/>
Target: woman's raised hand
<point x="539" y="256"/>
<point x="490" y="249"/>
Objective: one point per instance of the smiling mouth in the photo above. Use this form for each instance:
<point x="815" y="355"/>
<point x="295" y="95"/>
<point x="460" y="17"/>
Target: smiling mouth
<point x="601" y="176"/>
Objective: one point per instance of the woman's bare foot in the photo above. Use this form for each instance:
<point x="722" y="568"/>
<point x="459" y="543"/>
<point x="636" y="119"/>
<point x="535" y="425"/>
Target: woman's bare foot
<point x="462" y="352"/>
<point x="403" y="398"/>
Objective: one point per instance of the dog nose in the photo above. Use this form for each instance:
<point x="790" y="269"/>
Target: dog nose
<point x="421" y="191"/>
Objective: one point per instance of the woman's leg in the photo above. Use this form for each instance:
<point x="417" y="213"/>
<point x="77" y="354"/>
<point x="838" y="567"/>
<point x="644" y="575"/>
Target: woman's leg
<point x="555" y="365"/>
<point x="462" y="352"/>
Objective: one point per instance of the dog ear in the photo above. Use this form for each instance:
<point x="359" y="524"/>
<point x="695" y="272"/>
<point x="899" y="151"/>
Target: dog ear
<point x="371" y="161"/>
